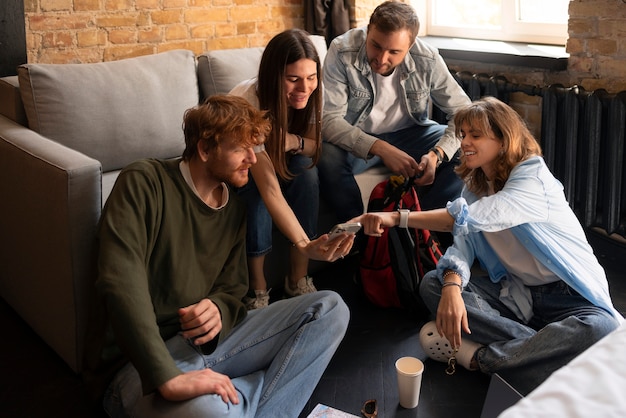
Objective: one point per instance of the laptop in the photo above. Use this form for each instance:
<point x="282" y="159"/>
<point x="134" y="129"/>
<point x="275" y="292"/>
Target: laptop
<point x="500" y="396"/>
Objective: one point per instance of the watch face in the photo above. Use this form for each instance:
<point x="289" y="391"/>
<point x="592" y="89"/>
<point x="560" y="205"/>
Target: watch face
<point x="439" y="155"/>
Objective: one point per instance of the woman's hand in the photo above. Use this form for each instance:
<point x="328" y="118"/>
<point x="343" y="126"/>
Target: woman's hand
<point x="199" y="382"/>
<point x="452" y="316"/>
<point x="375" y="222"/>
<point x="201" y="321"/>
<point x="325" y="248"/>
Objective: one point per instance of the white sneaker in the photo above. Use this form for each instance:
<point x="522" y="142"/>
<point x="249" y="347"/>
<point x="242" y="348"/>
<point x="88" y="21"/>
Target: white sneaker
<point x="439" y="349"/>
<point x="261" y="299"/>
<point x="304" y="285"/>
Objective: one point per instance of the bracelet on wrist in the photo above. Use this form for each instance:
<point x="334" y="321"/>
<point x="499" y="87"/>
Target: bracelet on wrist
<point x="305" y="240"/>
<point x="446" y="284"/>
<point x="450" y="273"/>
<point x="439" y="155"/>
<point x="300" y="146"/>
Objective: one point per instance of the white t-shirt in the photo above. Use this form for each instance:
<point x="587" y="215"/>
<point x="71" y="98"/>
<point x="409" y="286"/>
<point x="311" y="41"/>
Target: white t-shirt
<point x="517" y="260"/>
<point x="389" y="113"/>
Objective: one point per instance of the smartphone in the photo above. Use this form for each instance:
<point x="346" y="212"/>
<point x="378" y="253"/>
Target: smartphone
<point x="348" y="227"/>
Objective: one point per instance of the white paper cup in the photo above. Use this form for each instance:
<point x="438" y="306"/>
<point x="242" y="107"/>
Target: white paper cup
<point x="409" y="370"/>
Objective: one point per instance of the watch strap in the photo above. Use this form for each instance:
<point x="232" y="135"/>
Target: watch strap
<point x="439" y="155"/>
<point x="404" y="218"/>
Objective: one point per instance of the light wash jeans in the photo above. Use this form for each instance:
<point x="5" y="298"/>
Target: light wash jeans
<point x="337" y="168"/>
<point x="302" y="195"/>
<point x="564" y="325"/>
<point x="275" y="358"/>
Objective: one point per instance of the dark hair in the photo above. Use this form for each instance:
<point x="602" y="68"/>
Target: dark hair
<point x="490" y="115"/>
<point x="393" y="16"/>
<point x="223" y="117"/>
<point x="283" y="49"/>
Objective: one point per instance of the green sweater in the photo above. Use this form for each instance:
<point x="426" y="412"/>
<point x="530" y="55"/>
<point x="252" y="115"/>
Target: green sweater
<point x="161" y="248"/>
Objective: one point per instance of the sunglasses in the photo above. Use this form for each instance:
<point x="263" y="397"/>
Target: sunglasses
<point x="370" y="409"/>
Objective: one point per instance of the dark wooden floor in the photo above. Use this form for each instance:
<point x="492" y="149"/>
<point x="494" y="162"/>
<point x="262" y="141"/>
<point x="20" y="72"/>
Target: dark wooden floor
<point x="363" y="366"/>
<point x="36" y="383"/>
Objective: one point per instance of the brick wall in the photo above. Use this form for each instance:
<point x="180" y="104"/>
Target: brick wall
<point x="597" y="44"/>
<point x="80" y="31"/>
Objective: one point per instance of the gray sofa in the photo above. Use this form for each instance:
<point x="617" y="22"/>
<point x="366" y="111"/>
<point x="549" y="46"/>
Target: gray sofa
<point x="65" y="132"/>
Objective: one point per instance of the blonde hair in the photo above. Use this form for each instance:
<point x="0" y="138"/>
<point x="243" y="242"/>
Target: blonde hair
<point x="490" y="115"/>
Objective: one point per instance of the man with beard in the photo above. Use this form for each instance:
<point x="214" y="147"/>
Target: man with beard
<point x="170" y="335"/>
<point x="379" y="82"/>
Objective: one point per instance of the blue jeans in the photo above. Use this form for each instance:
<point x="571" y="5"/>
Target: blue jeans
<point x="302" y="195"/>
<point x="275" y="358"/>
<point x="563" y="325"/>
<point x="337" y="168"/>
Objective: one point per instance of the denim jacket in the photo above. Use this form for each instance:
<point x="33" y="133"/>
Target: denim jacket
<point x="532" y="204"/>
<point x="349" y="92"/>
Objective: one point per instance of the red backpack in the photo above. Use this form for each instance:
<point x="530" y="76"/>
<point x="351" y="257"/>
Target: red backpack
<point x="393" y="264"/>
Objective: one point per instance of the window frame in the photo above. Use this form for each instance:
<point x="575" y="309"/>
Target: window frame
<point x="512" y="29"/>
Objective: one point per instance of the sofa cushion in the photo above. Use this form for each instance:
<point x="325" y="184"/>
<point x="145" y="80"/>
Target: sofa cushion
<point x="117" y="111"/>
<point x="221" y="70"/>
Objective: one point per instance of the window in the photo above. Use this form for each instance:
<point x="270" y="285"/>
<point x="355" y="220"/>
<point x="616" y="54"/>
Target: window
<point x="531" y="21"/>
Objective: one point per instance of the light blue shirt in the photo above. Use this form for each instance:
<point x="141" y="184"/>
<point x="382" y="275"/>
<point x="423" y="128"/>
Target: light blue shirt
<point x="532" y="204"/>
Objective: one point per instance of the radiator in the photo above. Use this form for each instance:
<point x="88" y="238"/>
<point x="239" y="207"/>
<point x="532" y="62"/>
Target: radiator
<point x="583" y="136"/>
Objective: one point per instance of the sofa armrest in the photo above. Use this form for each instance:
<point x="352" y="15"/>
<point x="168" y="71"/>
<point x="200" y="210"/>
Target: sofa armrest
<point x="51" y="203"/>
<point x="11" y="104"/>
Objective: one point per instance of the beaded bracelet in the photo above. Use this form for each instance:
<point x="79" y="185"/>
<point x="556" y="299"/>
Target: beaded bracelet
<point x="449" y="273"/>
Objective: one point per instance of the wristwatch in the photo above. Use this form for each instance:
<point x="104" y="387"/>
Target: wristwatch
<point x="438" y="154"/>
<point x="301" y="147"/>
<point x="404" y="218"/>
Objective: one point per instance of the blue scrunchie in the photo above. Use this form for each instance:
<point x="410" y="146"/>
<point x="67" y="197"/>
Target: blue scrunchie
<point x="459" y="210"/>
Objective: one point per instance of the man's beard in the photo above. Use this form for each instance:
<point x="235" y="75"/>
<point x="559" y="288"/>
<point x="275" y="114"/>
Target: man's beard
<point x="233" y="178"/>
<point x="383" y="70"/>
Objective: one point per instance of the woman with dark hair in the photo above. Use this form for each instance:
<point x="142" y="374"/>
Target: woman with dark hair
<point x="284" y="187"/>
<point x="544" y="298"/>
